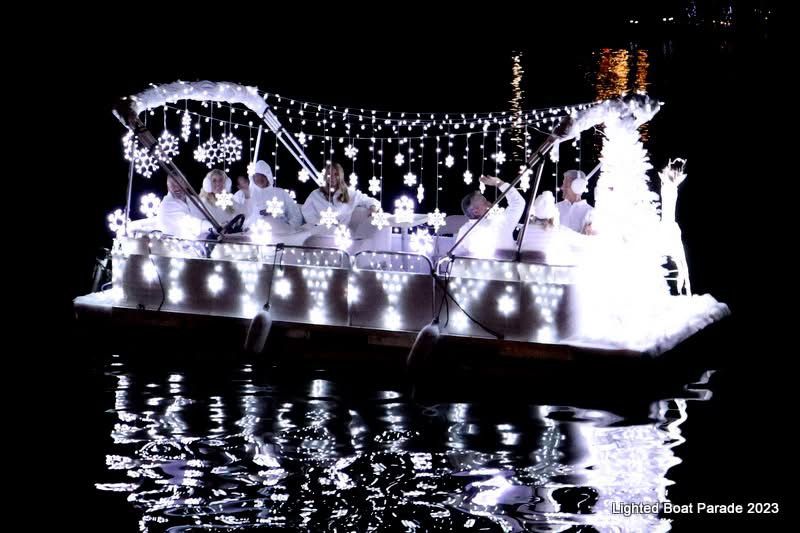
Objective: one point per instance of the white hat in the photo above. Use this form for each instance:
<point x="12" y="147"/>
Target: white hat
<point x="262" y="168"/>
<point x="544" y="207"/>
<point x="579" y="181"/>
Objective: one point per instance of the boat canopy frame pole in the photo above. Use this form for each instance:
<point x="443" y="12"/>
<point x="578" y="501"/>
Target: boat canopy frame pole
<point x="558" y="134"/>
<point x="130" y="119"/>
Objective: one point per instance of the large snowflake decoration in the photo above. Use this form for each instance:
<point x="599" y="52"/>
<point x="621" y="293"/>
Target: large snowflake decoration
<point x="342" y="237"/>
<point x="380" y="219"/>
<point x="399" y="159"/>
<point x="224" y="200"/>
<point x="116" y="222"/>
<point x="350" y="151"/>
<point x="374" y="186"/>
<point x="231" y="148"/>
<point x="328" y="218"/>
<point x="436" y="219"/>
<point x="404" y="210"/>
<point x="167" y="147"/>
<point x="209" y="153"/>
<point x="275" y="207"/>
<point x="149" y="205"/>
<point x="144" y="163"/>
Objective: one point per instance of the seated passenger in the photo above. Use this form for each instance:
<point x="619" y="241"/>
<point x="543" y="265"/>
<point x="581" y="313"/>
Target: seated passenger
<point x="337" y="196"/>
<point x="180" y="217"/>
<point x="215" y="185"/>
<point x="495" y="231"/>
<point x="262" y="193"/>
<point x="243" y="194"/>
<point x="556" y="244"/>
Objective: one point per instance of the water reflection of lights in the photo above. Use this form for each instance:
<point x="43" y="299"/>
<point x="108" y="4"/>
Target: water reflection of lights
<point x="250" y="457"/>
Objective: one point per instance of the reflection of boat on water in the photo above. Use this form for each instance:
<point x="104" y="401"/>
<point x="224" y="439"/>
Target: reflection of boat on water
<point x="322" y="283"/>
<point x="317" y="454"/>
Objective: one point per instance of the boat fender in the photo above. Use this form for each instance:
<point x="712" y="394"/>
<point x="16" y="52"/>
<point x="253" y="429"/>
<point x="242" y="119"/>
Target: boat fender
<point x="257" y="332"/>
<point x="422" y="349"/>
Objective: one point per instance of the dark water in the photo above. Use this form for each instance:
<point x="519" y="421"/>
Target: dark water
<point x="249" y="447"/>
<point x="225" y="444"/>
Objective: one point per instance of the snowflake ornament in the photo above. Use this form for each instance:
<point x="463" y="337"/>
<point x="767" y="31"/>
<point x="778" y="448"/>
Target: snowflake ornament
<point x="436" y="219"/>
<point x="275" y="207"/>
<point x="410" y="179"/>
<point x="342" y="237"/>
<point x="404" y="210"/>
<point x="186" y="126"/>
<point x="420" y="193"/>
<point x="449" y="161"/>
<point x="421" y="241"/>
<point x="209" y="153"/>
<point x="499" y="157"/>
<point x="261" y="231"/>
<point x="380" y="219"/>
<point x="116" y="222"/>
<point x="224" y="200"/>
<point x="399" y="159"/>
<point x="149" y="205"/>
<point x="350" y="151"/>
<point x="167" y="147"/>
<point x="328" y="218"/>
<point x="353" y="180"/>
<point x="374" y="186"/>
<point x="129" y="146"/>
<point x="303" y="175"/>
<point x="144" y="163"/>
<point x="301" y="138"/>
<point x="467" y="177"/>
<point x="230" y="148"/>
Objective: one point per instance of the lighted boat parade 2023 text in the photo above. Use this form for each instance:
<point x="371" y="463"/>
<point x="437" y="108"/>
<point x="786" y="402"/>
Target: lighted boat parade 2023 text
<point x="667" y="508"/>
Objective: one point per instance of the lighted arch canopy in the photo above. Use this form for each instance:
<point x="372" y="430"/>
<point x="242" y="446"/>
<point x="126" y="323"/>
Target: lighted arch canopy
<point x="231" y="93"/>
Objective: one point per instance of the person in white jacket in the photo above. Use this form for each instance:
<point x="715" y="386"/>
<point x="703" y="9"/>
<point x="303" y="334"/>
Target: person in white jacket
<point x="217" y="185"/>
<point x="555" y="244"/>
<point x="180" y="217"/>
<point x="574" y="212"/>
<point x="266" y="200"/>
<point x="337" y="196"/>
<point x="242" y="195"/>
<point x="496" y="231"/>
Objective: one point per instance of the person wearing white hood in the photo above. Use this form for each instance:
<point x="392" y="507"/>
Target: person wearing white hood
<point x="557" y="244"/>
<point x="335" y="195"/>
<point x="178" y="216"/>
<point x="264" y="195"/>
<point x="217" y="197"/>
<point x="575" y="213"/>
